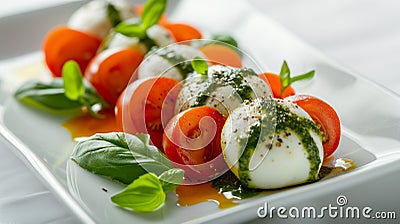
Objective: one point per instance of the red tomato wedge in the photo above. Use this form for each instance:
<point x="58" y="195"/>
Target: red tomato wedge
<point x="193" y="136"/>
<point x="146" y="106"/>
<point x="275" y="84"/>
<point x="110" y="71"/>
<point x="325" y="116"/>
<point x="221" y="54"/>
<point x="62" y="44"/>
<point x="182" y="32"/>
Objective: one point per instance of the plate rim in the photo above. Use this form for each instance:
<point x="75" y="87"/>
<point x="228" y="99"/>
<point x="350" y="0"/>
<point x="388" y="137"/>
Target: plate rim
<point x="30" y="158"/>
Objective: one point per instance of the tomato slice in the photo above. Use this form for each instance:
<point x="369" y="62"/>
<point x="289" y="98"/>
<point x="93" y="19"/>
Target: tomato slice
<point x="63" y="44"/>
<point x="193" y="136"/>
<point x="146" y="106"/>
<point x="183" y="32"/>
<point x="325" y="116"/>
<point x="275" y="84"/>
<point x="219" y="54"/>
<point x="110" y="71"/>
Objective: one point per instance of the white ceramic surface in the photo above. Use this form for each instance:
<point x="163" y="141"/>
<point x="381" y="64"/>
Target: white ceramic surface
<point x="375" y="146"/>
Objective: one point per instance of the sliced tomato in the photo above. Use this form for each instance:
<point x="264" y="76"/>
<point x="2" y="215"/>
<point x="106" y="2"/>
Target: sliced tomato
<point x="325" y="117"/>
<point x="182" y="32"/>
<point x="222" y="55"/>
<point x="275" y="84"/>
<point x="193" y="136"/>
<point x="110" y="71"/>
<point x="62" y="44"/>
<point x="146" y="106"/>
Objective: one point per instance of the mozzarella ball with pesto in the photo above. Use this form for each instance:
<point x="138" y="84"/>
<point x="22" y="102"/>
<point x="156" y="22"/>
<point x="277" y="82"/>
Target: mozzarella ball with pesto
<point x="156" y="36"/>
<point x="94" y="17"/>
<point x="271" y="143"/>
<point x="173" y="61"/>
<point x="224" y="88"/>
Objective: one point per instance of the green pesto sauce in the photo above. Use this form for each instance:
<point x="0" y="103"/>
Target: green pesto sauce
<point x="230" y="76"/>
<point x="247" y="154"/>
<point x="182" y="64"/>
<point x="285" y="121"/>
<point x="228" y="182"/>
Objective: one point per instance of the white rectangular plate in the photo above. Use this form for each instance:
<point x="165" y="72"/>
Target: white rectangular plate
<point x="368" y="112"/>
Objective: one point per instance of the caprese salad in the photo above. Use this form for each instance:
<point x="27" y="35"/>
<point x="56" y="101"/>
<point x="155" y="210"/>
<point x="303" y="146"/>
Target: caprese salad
<point x="191" y="111"/>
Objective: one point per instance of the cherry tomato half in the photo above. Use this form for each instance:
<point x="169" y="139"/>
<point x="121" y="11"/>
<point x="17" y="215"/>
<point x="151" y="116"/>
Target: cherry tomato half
<point x="325" y="116"/>
<point x="193" y="136"/>
<point x="146" y="106"/>
<point x="110" y="71"/>
<point x="274" y="82"/>
<point x="182" y="32"/>
<point x="63" y="44"/>
<point x="222" y="54"/>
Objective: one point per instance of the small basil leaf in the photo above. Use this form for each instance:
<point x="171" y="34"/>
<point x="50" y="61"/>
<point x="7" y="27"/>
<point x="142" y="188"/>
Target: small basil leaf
<point x="113" y="14"/>
<point x="200" y="65"/>
<point x="131" y="30"/>
<point x="152" y="12"/>
<point x="286" y="80"/>
<point x="145" y="194"/>
<point x="170" y="179"/>
<point x="120" y="156"/>
<point x="73" y="81"/>
<point x="46" y="96"/>
<point x="285" y="75"/>
<point x="307" y="75"/>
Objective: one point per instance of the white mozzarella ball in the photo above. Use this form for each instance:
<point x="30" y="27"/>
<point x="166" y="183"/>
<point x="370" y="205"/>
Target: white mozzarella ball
<point x="92" y="17"/>
<point x="280" y="159"/>
<point x="224" y="96"/>
<point x="164" y="62"/>
<point x="160" y="36"/>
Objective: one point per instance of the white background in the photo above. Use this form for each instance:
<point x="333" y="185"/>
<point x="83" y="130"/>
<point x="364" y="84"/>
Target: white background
<point x="363" y="35"/>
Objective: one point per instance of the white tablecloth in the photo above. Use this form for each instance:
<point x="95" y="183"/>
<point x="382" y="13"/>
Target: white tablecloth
<point x="363" y="35"/>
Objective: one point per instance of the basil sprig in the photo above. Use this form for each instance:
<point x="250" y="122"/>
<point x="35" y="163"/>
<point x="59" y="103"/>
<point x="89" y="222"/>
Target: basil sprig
<point x="224" y="38"/>
<point x="130" y="159"/>
<point x="61" y="95"/>
<point x="286" y="80"/>
<point x="148" y="192"/>
<point x="120" y="156"/>
<point x="152" y="12"/>
<point x="200" y="65"/>
<point x="113" y="14"/>
<point x="73" y="81"/>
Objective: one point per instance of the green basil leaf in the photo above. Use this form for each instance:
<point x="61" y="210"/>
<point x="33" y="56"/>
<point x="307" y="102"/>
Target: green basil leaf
<point x="46" y="96"/>
<point x="308" y="75"/>
<point x="131" y="30"/>
<point x="152" y="12"/>
<point x="224" y="38"/>
<point x="200" y="65"/>
<point x="120" y="156"/>
<point x="170" y="179"/>
<point x="73" y="81"/>
<point x="285" y="75"/>
<point x="113" y="14"/>
<point x="286" y="80"/>
<point x="145" y="194"/>
<point x="50" y="96"/>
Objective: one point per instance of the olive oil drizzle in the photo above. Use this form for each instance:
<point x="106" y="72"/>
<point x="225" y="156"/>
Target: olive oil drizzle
<point x="229" y="183"/>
